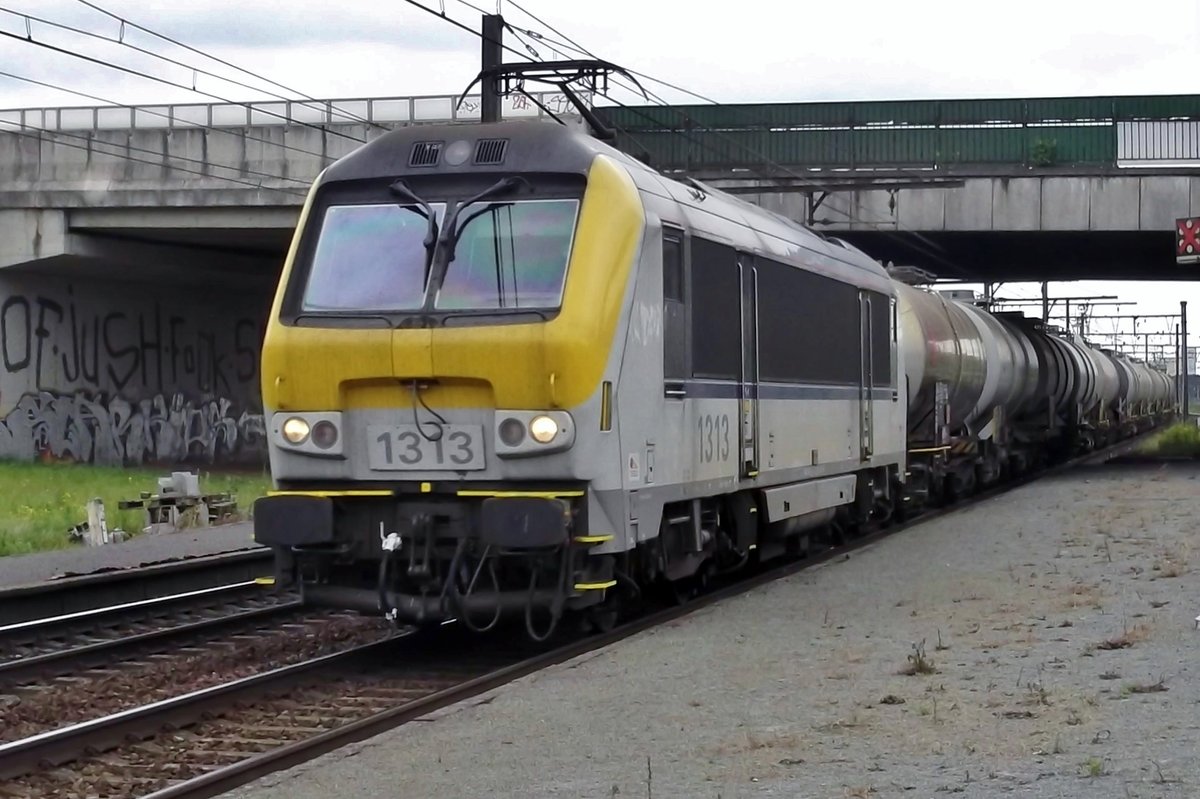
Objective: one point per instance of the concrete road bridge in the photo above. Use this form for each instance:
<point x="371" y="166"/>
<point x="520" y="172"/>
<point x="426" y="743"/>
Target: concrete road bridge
<point x="139" y="245"/>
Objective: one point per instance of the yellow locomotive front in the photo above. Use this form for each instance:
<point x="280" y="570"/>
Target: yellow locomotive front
<point x="437" y="373"/>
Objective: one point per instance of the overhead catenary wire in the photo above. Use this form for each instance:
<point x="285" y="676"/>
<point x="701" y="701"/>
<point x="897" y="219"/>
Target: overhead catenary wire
<point x="930" y="249"/>
<point x="480" y="35"/>
<point x="162" y="114"/>
<point x="176" y="62"/>
<point x="157" y="79"/>
<point x="127" y="22"/>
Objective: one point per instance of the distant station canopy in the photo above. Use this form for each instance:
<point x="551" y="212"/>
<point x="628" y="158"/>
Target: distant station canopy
<point x="1187" y="240"/>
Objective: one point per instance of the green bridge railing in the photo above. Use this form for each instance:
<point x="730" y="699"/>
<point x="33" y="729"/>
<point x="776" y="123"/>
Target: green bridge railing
<point x="930" y="134"/>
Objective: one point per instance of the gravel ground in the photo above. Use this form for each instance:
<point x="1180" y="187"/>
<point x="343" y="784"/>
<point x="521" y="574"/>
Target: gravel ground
<point x="140" y="551"/>
<point x="1057" y="623"/>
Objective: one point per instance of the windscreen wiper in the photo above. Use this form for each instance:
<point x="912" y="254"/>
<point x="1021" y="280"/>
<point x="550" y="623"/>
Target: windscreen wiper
<point x="431" y="232"/>
<point x="489" y="208"/>
<point x="449" y="237"/>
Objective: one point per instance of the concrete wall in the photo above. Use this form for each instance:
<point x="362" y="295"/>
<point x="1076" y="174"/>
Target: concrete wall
<point x="155" y="168"/>
<point x="112" y="373"/>
<point x="1145" y="202"/>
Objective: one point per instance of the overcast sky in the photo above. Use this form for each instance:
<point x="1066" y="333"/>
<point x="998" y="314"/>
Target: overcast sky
<point x="745" y="51"/>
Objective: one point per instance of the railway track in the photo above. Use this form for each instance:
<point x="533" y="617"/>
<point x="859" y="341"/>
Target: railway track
<point x="207" y="742"/>
<point x="76" y="593"/>
<point x="46" y="647"/>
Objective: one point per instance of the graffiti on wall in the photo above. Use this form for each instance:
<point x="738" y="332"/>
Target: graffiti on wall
<point x="90" y="429"/>
<point x="104" y="377"/>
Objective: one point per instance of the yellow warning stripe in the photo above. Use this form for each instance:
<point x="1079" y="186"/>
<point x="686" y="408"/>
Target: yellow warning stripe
<point x="595" y="586"/>
<point x="592" y="539"/>
<point x="532" y="494"/>
<point x="264" y="581"/>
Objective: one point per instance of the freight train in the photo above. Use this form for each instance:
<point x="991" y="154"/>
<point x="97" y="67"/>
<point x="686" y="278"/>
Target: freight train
<point x="513" y="374"/>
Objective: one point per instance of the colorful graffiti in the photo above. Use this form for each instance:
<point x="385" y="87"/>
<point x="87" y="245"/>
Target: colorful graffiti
<point x="92" y="429"/>
<point x="128" y="374"/>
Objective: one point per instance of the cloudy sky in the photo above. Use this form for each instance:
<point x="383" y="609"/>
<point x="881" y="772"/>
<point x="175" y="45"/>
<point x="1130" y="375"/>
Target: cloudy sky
<point x="748" y="51"/>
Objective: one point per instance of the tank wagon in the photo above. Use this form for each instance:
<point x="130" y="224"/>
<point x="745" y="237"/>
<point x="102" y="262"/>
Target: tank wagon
<point x="512" y="373"/>
<point x="993" y="395"/>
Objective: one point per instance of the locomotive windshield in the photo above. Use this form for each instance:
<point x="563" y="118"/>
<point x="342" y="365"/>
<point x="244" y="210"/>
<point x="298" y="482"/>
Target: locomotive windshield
<point x="369" y="257"/>
<point x="510" y="255"/>
<point x="507" y="254"/>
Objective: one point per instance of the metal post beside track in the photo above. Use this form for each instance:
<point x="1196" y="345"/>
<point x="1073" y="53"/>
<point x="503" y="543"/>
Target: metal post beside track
<point x="493" y="55"/>
<point x="1183" y="340"/>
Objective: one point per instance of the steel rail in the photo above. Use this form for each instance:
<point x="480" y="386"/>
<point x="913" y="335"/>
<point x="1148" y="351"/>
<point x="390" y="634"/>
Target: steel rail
<point x="47" y="623"/>
<point x="55" y="662"/>
<point x="74" y="593"/>
<point x="223" y="779"/>
<point x="55" y="747"/>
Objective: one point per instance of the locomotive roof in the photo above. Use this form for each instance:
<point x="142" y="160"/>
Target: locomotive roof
<point x="533" y="146"/>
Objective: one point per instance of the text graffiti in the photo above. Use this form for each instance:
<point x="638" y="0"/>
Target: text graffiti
<point x="56" y="343"/>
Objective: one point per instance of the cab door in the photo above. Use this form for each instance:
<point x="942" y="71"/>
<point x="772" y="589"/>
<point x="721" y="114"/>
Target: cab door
<point x="866" y="378"/>
<point x="748" y="381"/>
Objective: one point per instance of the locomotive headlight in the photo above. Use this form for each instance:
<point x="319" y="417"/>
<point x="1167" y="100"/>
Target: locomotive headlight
<point x="512" y="431"/>
<point x="324" y="434"/>
<point x="543" y="429"/>
<point x="531" y="433"/>
<point x="296" y="430"/>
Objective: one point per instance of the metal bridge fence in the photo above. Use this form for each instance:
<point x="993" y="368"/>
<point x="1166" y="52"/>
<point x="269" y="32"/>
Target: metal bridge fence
<point x="373" y="110"/>
<point x="925" y="134"/>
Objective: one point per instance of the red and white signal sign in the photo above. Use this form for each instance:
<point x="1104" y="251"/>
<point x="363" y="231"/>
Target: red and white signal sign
<point x="1187" y="240"/>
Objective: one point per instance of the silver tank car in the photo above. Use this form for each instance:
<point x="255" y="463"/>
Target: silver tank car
<point x="981" y="376"/>
<point x="983" y="362"/>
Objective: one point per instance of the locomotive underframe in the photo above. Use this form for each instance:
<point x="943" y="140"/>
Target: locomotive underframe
<point x="431" y="558"/>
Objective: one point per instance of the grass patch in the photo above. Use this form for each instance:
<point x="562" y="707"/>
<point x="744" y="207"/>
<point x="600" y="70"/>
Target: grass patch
<point x="43" y="500"/>
<point x="1181" y="439"/>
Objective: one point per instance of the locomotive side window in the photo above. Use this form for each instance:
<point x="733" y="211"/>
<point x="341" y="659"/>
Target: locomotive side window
<point x="674" y="308"/>
<point x="809" y="327"/>
<point x="881" y="339"/>
<point x="716" y="335"/>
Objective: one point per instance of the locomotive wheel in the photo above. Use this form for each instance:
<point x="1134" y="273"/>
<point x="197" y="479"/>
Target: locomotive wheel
<point x="602" y="618"/>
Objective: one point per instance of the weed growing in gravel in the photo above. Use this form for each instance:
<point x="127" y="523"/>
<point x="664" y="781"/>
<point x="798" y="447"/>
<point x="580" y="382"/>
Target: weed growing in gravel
<point x="1145" y="687"/>
<point x="1093" y="767"/>
<point x="918" y="663"/>
<point x="1172" y="564"/>
<point x="1126" y="639"/>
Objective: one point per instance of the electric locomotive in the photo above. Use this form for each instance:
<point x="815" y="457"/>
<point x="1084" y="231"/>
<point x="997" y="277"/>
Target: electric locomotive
<point x="511" y="372"/>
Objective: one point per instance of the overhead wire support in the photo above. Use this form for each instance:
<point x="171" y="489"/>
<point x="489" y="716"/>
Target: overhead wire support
<point x="96" y="7"/>
<point x="930" y="248"/>
<point x="175" y="62"/>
